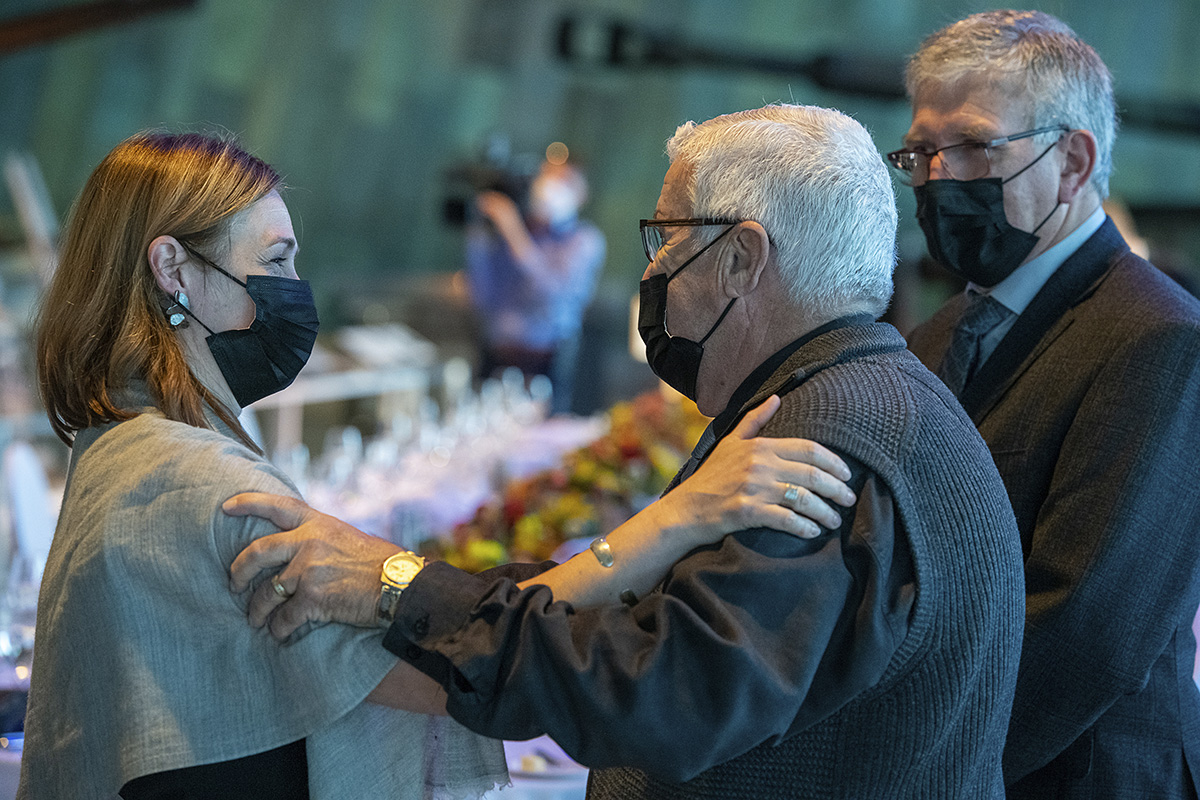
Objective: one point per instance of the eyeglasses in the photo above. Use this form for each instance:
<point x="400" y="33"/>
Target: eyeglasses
<point x="653" y="237"/>
<point x="962" y="162"/>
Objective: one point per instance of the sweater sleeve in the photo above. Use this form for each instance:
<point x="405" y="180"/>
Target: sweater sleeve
<point x="747" y="641"/>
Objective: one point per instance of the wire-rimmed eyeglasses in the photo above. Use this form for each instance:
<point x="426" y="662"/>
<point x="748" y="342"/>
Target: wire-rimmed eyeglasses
<point x="653" y="237"/>
<point x="961" y="162"/>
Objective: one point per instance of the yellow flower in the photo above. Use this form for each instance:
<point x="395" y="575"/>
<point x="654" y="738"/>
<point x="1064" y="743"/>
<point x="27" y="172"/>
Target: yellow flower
<point x="485" y="554"/>
<point x="528" y="533"/>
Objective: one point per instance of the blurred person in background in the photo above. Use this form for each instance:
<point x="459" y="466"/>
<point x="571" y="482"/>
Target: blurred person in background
<point x="531" y="276"/>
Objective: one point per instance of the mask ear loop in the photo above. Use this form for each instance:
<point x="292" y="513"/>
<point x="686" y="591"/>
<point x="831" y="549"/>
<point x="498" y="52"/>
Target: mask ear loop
<point x="717" y="323"/>
<point x="1053" y="145"/>
<point x="699" y="253"/>
<point x="1048" y="216"/>
<point x="181" y="301"/>
<point x="685" y="266"/>
<point x="209" y="263"/>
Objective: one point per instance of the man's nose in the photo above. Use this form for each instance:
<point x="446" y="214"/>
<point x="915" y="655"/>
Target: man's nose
<point x="937" y="168"/>
<point x="651" y="269"/>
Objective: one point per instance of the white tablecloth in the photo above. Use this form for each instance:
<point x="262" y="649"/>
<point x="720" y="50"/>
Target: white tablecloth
<point x="550" y="775"/>
<point x="424" y="494"/>
<point x="10" y="768"/>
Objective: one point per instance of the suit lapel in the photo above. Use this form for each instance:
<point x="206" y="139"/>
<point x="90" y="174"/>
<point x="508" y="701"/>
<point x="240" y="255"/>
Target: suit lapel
<point x="1046" y="318"/>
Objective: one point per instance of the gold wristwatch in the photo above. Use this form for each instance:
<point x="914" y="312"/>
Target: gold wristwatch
<point x="398" y="572"/>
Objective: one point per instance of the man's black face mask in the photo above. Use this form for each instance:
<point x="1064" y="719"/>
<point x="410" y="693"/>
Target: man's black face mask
<point x="967" y="231"/>
<point x="672" y="358"/>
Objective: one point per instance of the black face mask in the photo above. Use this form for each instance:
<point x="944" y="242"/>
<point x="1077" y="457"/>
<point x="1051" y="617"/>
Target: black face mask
<point x="672" y="358"/>
<point x="266" y="357"/>
<point x="967" y="231"/>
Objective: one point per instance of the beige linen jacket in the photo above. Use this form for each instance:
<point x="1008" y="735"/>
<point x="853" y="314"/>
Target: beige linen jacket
<point x="145" y="662"/>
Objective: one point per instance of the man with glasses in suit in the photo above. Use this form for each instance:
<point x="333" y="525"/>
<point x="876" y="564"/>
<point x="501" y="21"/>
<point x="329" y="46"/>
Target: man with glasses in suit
<point x="1079" y="362"/>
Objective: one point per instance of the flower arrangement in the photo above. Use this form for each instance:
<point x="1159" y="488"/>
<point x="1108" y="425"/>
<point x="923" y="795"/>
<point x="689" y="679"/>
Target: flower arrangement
<point x="595" y="489"/>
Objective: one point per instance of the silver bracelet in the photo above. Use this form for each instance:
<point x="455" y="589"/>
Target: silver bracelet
<point x="603" y="552"/>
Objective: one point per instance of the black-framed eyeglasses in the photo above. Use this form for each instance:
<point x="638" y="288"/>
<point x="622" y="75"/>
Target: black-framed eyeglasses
<point x="962" y="162"/>
<point x="653" y="237"/>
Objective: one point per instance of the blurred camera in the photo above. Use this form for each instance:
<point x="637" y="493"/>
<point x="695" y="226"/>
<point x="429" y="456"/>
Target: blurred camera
<point x="496" y="170"/>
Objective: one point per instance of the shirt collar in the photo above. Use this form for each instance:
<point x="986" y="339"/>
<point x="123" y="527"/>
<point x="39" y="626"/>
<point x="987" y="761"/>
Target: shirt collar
<point x="749" y="387"/>
<point x="1017" y="291"/>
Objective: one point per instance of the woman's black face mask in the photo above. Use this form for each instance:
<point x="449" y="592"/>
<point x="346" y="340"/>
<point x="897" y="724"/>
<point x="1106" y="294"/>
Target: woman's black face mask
<point x="266" y="357"/>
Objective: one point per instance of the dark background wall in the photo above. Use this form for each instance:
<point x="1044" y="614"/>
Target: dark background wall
<point x="365" y="105"/>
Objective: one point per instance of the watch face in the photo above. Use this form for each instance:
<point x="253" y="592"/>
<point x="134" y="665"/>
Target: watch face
<point x="401" y="568"/>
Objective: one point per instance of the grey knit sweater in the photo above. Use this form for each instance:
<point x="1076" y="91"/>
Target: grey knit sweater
<point x="934" y="727"/>
<point x="676" y="684"/>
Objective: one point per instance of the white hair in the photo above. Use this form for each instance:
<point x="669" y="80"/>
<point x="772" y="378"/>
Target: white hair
<point x="1028" y="55"/>
<point x="814" y="180"/>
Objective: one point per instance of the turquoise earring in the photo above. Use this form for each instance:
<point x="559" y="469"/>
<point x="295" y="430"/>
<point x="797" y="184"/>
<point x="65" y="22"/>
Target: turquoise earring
<point x="176" y="317"/>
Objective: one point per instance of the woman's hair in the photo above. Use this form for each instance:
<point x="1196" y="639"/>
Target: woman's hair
<point x="101" y="322"/>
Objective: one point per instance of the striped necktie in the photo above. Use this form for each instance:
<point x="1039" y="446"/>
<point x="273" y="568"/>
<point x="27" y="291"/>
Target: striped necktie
<point x="962" y="358"/>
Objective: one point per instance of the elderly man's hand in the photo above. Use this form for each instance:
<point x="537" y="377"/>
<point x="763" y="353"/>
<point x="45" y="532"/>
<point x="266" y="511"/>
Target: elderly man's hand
<point x="329" y="570"/>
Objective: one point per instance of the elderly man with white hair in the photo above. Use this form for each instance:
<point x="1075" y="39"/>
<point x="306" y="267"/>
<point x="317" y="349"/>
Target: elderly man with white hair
<point x="876" y="659"/>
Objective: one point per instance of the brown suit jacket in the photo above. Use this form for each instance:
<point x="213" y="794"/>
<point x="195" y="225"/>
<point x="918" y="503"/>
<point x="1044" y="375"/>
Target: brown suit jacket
<point x="1091" y="408"/>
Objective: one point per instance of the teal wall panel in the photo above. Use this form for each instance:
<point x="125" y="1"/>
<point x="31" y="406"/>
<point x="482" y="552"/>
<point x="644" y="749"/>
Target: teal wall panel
<point x="365" y="105"/>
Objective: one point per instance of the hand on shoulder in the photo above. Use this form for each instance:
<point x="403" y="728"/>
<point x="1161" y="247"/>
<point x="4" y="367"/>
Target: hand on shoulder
<point x="322" y="569"/>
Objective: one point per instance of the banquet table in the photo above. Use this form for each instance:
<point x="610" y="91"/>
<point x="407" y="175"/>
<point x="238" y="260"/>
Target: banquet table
<point x="425" y="493"/>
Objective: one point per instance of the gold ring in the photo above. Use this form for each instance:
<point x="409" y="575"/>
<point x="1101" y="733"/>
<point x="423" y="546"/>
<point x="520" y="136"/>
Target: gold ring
<point x="790" y="496"/>
<point x="279" y="588"/>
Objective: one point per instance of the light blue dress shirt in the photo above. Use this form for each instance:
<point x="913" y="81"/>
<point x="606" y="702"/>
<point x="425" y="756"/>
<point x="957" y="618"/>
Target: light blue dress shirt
<point x="1017" y="291"/>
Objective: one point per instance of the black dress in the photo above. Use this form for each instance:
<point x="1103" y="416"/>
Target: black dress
<point x="279" y="774"/>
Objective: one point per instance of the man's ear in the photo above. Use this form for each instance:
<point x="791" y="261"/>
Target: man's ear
<point x="744" y="257"/>
<point x="1078" y="165"/>
<point x="167" y="256"/>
